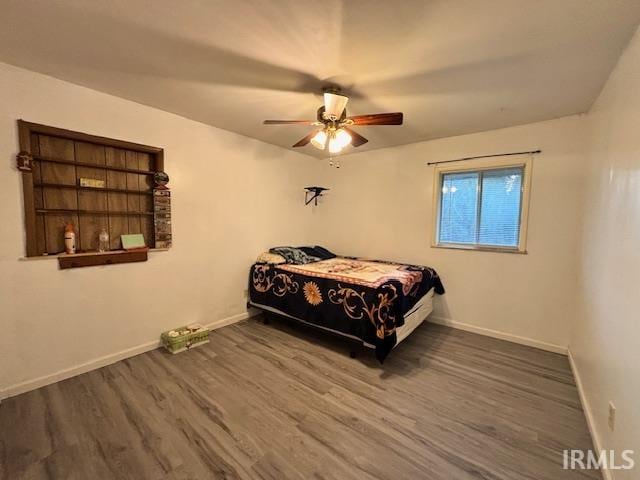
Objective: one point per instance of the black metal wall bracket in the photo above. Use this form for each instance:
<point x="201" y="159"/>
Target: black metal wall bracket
<point x="316" y="193"/>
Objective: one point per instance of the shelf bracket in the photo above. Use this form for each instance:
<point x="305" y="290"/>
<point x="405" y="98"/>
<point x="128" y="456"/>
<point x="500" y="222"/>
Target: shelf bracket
<point x="315" y="192"/>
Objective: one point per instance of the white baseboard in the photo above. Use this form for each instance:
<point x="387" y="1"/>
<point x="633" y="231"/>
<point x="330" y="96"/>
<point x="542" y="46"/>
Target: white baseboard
<point x="35" y="383"/>
<point x="588" y="413"/>
<point x="550" y="347"/>
<point x="223" y="322"/>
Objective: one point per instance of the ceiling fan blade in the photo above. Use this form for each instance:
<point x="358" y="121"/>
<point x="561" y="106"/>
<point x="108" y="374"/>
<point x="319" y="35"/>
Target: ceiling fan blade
<point x="304" y="141"/>
<point x="334" y="104"/>
<point x="378" y="119"/>
<point x="288" y="122"/>
<point x="356" y="138"/>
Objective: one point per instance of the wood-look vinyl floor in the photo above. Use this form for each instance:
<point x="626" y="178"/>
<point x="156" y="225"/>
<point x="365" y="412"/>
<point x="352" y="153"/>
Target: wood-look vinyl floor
<point x="278" y="402"/>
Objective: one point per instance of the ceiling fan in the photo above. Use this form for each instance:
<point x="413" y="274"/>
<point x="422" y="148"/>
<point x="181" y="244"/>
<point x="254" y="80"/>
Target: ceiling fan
<point x="335" y="132"/>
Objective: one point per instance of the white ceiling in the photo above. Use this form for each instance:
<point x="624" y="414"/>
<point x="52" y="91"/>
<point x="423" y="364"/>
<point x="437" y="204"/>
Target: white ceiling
<point x="452" y="66"/>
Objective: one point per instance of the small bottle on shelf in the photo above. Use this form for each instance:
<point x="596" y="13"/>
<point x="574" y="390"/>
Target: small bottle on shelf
<point x="69" y="239"/>
<point x="104" y="241"/>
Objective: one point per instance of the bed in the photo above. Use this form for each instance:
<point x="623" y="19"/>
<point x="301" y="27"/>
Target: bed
<point x="375" y="302"/>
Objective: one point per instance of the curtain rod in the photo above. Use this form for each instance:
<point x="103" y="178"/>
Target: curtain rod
<point x="532" y="152"/>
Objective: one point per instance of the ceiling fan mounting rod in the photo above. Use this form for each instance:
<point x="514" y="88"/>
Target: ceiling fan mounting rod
<point x="336" y="90"/>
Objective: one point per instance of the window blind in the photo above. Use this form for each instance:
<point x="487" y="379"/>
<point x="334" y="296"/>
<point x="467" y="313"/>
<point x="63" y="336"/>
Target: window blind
<point x="459" y="208"/>
<point x="500" y="208"/>
<point x="481" y="207"/>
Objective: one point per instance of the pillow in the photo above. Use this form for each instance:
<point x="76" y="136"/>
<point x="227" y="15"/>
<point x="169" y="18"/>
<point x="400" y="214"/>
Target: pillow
<point x="319" y="252"/>
<point x="323" y="253"/>
<point x="272" y="258"/>
<point x="294" y="255"/>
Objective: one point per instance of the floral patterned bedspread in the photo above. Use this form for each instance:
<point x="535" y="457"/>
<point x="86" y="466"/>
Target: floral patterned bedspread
<point x="365" y="299"/>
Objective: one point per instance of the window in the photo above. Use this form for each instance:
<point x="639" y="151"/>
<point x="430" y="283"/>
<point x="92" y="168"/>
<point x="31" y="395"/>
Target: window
<point x="482" y="208"/>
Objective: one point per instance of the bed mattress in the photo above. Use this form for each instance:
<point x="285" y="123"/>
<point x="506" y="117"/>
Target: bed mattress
<point x="412" y="320"/>
<point x="377" y="302"/>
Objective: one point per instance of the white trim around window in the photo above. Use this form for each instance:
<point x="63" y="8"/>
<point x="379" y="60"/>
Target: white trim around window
<point x="484" y="165"/>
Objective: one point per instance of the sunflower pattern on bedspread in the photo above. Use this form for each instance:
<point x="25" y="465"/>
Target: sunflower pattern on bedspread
<point x="364" y="299"/>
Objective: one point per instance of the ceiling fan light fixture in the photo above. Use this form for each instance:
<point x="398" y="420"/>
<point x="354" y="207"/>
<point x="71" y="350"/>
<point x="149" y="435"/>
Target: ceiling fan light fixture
<point x="334" y="105"/>
<point x="343" y="138"/>
<point x="338" y="141"/>
<point x="334" y="147"/>
<point x="319" y="140"/>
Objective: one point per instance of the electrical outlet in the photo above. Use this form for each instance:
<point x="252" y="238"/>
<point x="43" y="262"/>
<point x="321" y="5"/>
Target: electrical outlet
<point x="246" y="293"/>
<point x="612" y="416"/>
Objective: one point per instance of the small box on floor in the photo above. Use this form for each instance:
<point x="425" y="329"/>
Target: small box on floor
<point x="183" y="338"/>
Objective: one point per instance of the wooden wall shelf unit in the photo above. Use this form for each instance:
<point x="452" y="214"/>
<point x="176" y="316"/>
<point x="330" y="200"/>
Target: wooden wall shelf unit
<point x="91" y="212"/>
<point x="95" y="189"/>
<point x="52" y="162"/>
<point x="62" y="161"/>
<point x="107" y="258"/>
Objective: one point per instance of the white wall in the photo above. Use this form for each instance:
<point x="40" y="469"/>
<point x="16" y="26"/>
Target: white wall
<point x="605" y="340"/>
<point x="380" y="206"/>
<point x="232" y="197"/>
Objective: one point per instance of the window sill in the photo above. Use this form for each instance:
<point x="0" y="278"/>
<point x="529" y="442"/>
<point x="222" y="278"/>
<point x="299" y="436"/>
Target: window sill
<point x="479" y="248"/>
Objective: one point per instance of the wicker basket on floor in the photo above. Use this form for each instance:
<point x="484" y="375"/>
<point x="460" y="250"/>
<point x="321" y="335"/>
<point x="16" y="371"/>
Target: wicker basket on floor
<point x="183" y="338"/>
